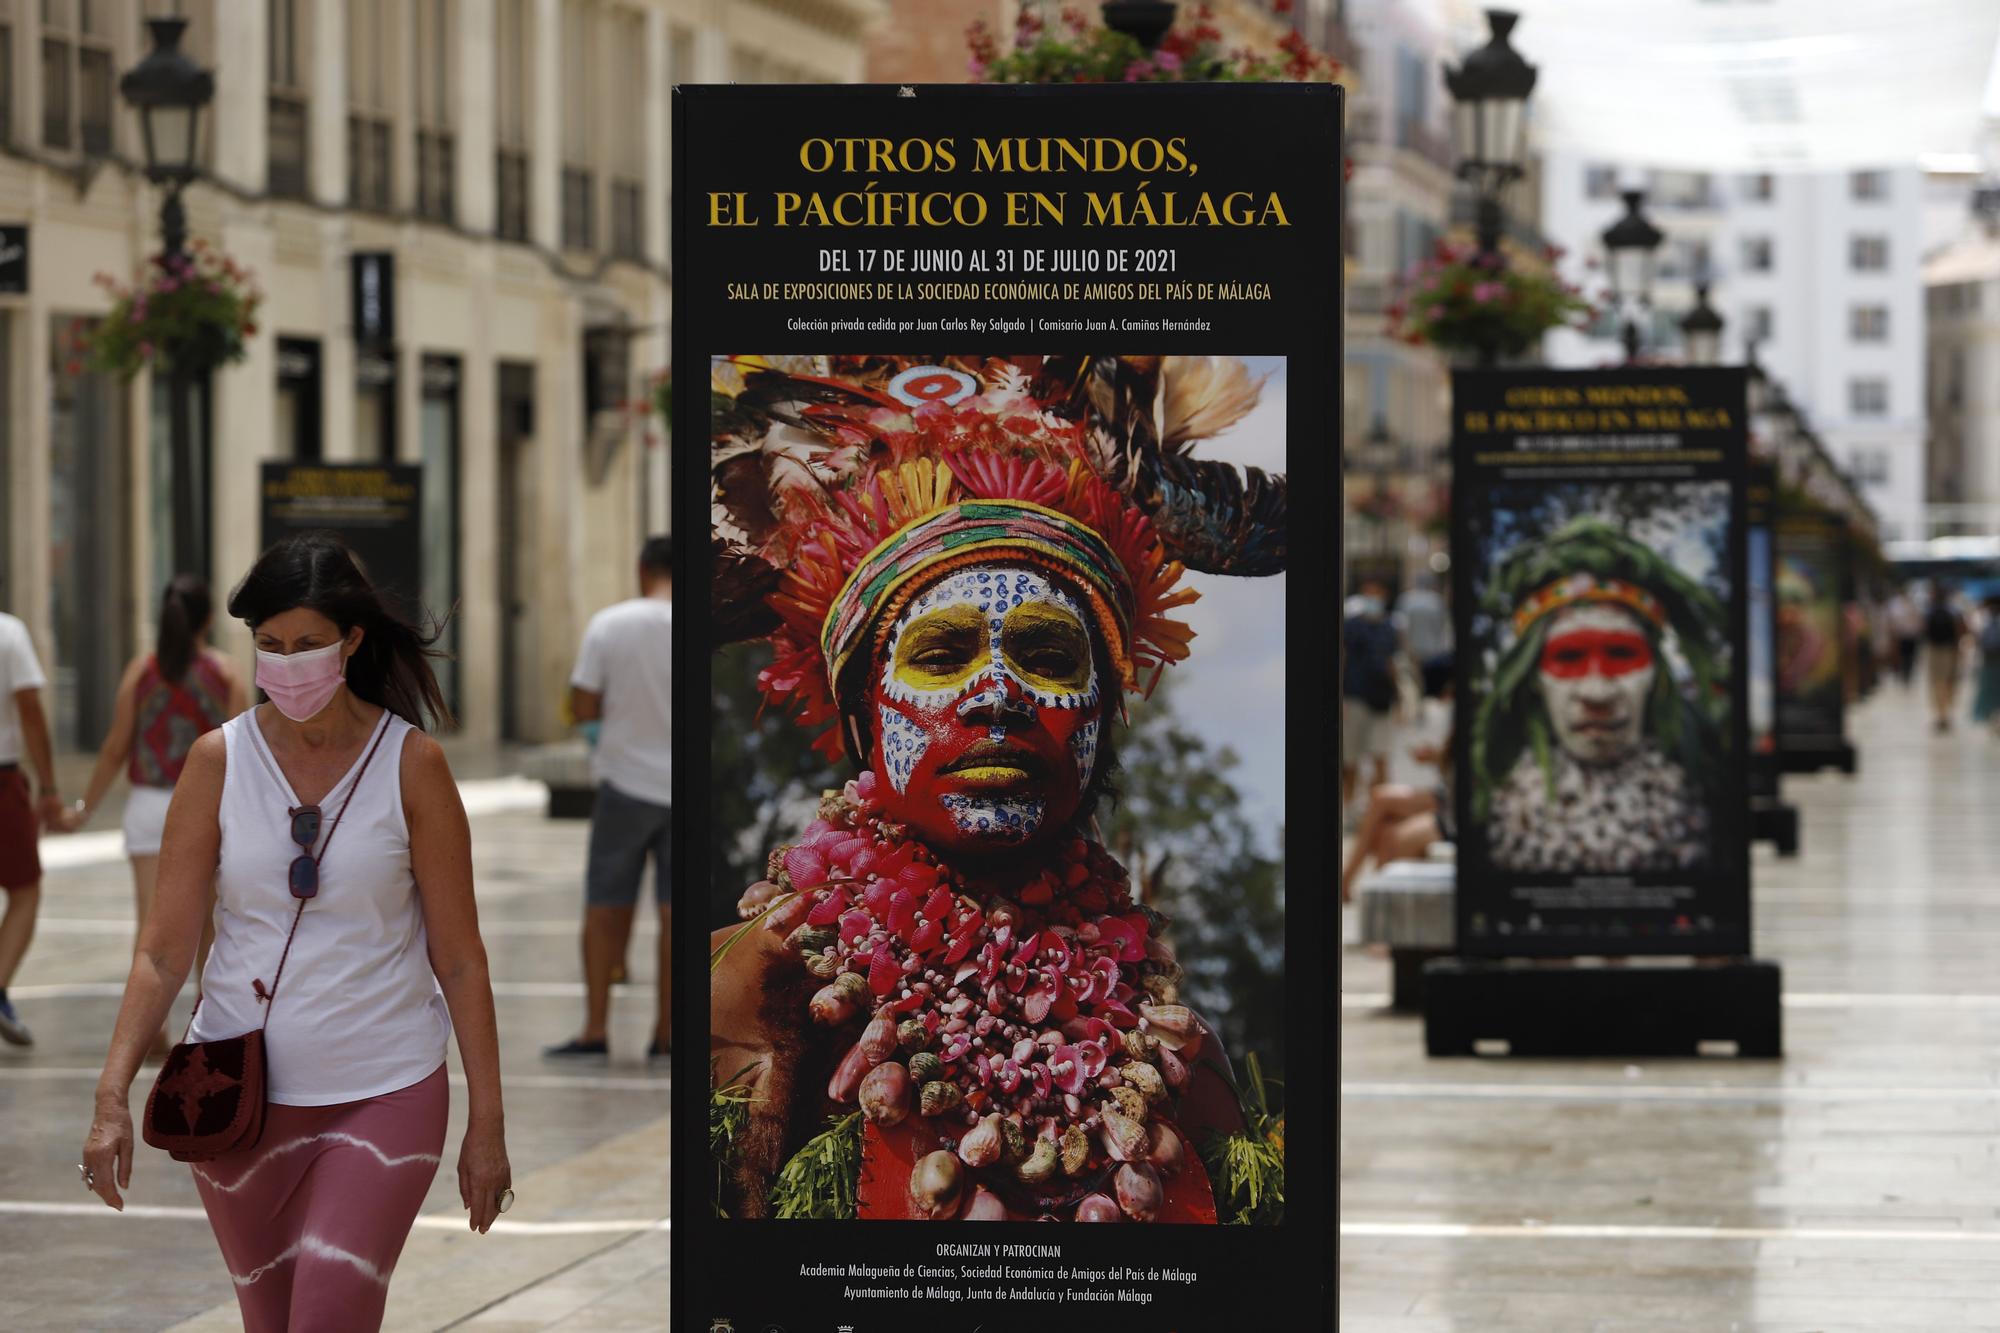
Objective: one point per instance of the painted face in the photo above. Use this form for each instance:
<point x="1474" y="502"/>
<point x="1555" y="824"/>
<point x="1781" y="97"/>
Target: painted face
<point x="1597" y="672"/>
<point x="987" y="708"/>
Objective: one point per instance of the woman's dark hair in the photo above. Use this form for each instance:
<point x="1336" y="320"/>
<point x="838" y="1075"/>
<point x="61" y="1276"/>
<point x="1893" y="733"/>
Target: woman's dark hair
<point x="184" y="610"/>
<point x="316" y="570"/>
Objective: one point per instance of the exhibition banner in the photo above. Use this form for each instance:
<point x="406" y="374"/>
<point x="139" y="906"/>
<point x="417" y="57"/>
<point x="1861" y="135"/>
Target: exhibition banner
<point x="376" y="508"/>
<point x="1811" y="588"/>
<point x="1760" y="582"/>
<point x="1004" y="683"/>
<point x="1597" y="554"/>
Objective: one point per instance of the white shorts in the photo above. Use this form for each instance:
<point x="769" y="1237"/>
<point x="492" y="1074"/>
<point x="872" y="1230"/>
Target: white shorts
<point x="1364" y="733"/>
<point x="145" y="818"/>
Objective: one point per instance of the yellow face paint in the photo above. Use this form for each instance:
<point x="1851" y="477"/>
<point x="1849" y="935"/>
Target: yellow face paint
<point x="941" y="650"/>
<point x="1047" y="647"/>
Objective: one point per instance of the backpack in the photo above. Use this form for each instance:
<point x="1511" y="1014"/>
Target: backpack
<point x="1941" y="626"/>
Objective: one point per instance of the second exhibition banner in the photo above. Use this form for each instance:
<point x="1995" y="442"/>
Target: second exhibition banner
<point x="1598" y="555"/>
<point x="1006" y="463"/>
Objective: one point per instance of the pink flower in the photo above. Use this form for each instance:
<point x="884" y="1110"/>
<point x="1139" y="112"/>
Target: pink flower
<point x="1434" y="312"/>
<point x="1488" y="291"/>
<point x="1139" y="69"/>
<point x="1168" y="61"/>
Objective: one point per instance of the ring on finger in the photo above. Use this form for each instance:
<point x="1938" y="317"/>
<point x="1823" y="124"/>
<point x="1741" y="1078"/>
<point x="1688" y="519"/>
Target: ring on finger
<point x="506" y="1199"/>
<point x="89" y="1177"/>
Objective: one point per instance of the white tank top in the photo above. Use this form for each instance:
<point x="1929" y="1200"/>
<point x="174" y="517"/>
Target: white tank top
<point x="358" y="1012"/>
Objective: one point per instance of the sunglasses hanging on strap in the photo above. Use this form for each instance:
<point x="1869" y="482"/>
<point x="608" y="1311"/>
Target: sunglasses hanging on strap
<point x="209" y="1097"/>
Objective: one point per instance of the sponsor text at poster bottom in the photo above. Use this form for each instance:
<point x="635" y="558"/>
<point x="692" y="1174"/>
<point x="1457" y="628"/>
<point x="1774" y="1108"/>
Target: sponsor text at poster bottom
<point x="1025" y="1276"/>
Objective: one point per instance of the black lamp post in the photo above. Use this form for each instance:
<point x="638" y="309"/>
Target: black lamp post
<point x="1489" y="122"/>
<point x="1144" y="21"/>
<point x="169" y="91"/>
<point x="1702" y="328"/>
<point x="1629" y="244"/>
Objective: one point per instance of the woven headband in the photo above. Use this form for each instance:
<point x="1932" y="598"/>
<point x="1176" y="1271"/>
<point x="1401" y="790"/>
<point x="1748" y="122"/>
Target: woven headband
<point x="1576" y="588"/>
<point x="971" y="532"/>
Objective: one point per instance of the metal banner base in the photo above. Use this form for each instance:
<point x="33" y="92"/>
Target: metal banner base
<point x="1482" y="1006"/>
<point x="1812" y="758"/>
<point x="1775" y="822"/>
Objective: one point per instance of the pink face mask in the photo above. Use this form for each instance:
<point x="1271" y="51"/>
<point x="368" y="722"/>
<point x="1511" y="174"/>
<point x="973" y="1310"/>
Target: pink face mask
<point x="300" y="684"/>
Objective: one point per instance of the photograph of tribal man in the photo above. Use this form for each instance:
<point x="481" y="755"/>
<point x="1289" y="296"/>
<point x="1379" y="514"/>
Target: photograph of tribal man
<point x="1601" y="651"/>
<point x="1012" y="942"/>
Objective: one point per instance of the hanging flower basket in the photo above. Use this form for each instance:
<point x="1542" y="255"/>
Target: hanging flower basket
<point x="1072" y="48"/>
<point x="1460" y="301"/>
<point x="189" y="312"/>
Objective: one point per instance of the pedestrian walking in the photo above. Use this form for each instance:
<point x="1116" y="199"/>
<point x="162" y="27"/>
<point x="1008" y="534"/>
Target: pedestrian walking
<point x="1906" y="626"/>
<point x="1369" y="644"/>
<point x="168" y="698"/>
<point x="1986" y="699"/>
<point x="623" y="682"/>
<point x="1944" y="638"/>
<point x="24" y="731"/>
<point x="347" y="940"/>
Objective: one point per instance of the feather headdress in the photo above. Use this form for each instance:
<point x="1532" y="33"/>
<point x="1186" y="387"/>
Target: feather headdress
<point x="842" y="486"/>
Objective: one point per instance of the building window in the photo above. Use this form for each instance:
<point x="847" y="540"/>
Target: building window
<point x="1870" y="466"/>
<point x="430" y="64"/>
<point x="579" y="175"/>
<point x="1868" y="323"/>
<point x="512" y="98"/>
<point x="1760" y="188"/>
<point x="1868" y="185"/>
<point x="370" y="110"/>
<point x="1758" y="317"/>
<point x="1868" y="397"/>
<point x="287" y="100"/>
<point x="1868" y="254"/>
<point x="1757" y="254"/>
<point x="1600" y="182"/>
<point x="76" y="76"/>
<point x="627" y="146"/>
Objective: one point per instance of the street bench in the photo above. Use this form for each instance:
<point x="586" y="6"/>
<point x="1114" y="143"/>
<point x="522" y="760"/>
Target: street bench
<point x="1410" y="906"/>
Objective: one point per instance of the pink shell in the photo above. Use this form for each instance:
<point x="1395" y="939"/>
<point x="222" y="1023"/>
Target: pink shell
<point x="806" y="867"/>
<point x="828" y="909"/>
<point x="883" y="971"/>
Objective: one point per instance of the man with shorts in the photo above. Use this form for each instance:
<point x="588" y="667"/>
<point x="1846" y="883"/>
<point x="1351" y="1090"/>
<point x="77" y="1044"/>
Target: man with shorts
<point x="1369" y="644"/>
<point x="623" y="684"/>
<point x="23" y="727"/>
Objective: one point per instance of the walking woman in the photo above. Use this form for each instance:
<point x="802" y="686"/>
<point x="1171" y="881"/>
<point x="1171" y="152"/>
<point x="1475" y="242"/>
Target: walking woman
<point x="345" y="929"/>
<point x="170" y="697"/>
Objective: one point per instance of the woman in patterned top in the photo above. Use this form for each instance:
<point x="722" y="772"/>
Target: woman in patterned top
<point x="168" y="698"/>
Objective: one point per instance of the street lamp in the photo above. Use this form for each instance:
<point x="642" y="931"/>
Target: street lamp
<point x="1702" y="328"/>
<point x="169" y="90"/>
<point x="1629" y="244"/>
<point x="1489" y="121"/>
<point x="1144" y="21"/>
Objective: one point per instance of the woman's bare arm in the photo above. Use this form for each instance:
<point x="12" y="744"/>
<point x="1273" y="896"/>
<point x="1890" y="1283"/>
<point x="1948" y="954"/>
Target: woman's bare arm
<point x="167" y="943"/>
<point x="117" y="746"/>
<point x="441" y="860"/>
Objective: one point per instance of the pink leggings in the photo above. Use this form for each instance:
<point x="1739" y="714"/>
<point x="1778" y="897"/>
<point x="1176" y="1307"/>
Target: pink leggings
<point x="312" y="1219"/>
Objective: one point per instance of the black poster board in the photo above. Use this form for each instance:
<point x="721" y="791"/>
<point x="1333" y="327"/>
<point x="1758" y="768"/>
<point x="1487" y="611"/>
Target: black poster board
<point x="1811" y="586"/>
<point x="1597" y="550"/>
<point x="1760" y="568"/>
<point x="824" y="227"/>
<point x="375" y="508"/>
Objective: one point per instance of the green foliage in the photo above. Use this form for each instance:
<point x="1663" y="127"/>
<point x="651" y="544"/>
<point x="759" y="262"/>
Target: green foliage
<point x="728" y="1117"/>
<point x="820" y="1181"/>
<point x="1179" y="827"/>
<point x="765" y="778"/>
<point x="1247" y="1170"/>
<point x="190" y="311"/>
<point x="1458" y="300"/>
<point x="1063" y="45"/>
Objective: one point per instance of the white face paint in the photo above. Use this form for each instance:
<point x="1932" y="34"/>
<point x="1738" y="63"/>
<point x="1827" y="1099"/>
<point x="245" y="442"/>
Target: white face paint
<point x="1596" y="674"/>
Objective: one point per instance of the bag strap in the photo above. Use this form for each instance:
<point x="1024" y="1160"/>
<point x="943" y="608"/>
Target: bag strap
<point x="269" y="995"/>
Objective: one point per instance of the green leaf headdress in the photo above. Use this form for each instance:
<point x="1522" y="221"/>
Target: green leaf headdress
<point x="1590" y="560"/>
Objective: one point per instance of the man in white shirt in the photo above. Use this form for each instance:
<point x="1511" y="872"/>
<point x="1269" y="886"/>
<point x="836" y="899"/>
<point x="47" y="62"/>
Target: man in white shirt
<point x="23" y="728"/>
<point x="623" y="683"/>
